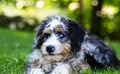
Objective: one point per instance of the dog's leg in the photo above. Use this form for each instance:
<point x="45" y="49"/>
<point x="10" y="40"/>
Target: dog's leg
<point x="78" y="63"/>
<point x="35" y="71"/>
<point x="34" y="66"/>
<point x="79" y="66"/>
<point x="62" y="68"/>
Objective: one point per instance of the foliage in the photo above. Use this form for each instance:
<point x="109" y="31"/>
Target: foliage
<point x="79" y="10"/>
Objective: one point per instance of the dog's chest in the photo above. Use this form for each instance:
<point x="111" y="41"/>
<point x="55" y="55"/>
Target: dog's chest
<point x="48" y="67"/>
<point x="49" y="64"/>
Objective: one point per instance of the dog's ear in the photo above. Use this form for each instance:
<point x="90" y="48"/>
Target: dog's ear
<point x="77" y="34"/>
<point x="39" y="35"/>
<point x="40" y="28"/>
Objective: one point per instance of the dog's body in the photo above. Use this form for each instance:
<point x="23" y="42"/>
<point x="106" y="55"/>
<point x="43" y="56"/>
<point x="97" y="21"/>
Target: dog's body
<point x="62" y="46"/>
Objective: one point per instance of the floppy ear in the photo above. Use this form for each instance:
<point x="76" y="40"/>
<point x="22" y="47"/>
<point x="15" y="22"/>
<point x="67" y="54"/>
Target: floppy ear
<point x="39" y="30"/>
<point x="39" y="35"/>
<point x="77" y="34"/>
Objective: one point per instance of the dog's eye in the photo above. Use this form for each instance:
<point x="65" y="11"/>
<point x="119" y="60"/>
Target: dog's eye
<point x="46" y="35"/>
<point x="61" y="35"/>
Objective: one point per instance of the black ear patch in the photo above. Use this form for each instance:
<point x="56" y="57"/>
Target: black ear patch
<point x="39" y="37"/>
<point x="39" y="34"/>
<point x="77" y="34"/>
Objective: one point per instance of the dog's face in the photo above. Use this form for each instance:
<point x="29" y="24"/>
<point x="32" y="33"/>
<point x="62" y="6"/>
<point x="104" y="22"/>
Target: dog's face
<point x="55" y="38"/>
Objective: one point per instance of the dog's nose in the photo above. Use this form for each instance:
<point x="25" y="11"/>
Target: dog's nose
<point x="50" y="49"/>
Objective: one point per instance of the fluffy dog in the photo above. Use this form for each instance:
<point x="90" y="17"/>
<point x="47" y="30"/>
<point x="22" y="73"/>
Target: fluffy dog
<point x="62" y="46"/>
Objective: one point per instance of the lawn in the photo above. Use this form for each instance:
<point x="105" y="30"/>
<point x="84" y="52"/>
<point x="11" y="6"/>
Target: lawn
<point x="15" y="46"/>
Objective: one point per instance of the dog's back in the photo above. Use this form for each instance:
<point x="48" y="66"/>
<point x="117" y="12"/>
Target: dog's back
<point x="99" y="54"/>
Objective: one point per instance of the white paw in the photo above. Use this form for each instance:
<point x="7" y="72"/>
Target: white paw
<point x="62" y="69"/>
<point x="37" y="71"/>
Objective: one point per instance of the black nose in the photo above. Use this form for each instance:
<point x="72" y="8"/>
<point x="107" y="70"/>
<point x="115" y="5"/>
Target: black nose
<point x="50" y="49"/>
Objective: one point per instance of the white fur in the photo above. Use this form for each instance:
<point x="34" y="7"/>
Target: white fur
<point x="35" y="55"/>
<point x="62" y="69"/>
<point x="36" y="71"/>
<point x="53" y="40"/>
<point x="54" y="23"/>
<point x="89" y="48"/>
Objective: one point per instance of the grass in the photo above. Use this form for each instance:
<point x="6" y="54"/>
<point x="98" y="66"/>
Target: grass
<point x="15" y="46"/>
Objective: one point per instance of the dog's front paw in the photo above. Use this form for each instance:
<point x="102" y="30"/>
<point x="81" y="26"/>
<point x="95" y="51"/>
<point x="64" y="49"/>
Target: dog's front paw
<point x="36" y="71"/>
<point x="62" y="69"/>
<point x="47" y="67"/>
<point x="75" y="65"/>
<point x="79" y="65"/>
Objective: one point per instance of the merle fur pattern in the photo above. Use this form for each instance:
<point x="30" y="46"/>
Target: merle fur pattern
<point x="102" y="56"/>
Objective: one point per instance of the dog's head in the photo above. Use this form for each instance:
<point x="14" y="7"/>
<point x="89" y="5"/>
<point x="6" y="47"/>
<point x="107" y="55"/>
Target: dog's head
<point x="59" y="37"/>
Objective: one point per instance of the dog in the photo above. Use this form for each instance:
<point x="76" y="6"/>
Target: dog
<point x="62" y="46"/>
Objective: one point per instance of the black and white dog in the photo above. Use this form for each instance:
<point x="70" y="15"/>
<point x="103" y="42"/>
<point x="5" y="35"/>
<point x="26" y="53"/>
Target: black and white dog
<point x="62" y="46"/>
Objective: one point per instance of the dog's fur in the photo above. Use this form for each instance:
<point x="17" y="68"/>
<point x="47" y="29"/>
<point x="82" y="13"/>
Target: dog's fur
<point x="63" y="46"/>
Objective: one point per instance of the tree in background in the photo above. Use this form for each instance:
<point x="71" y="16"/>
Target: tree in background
<point x="101" y="17"/>
<point x="96" y="19"/>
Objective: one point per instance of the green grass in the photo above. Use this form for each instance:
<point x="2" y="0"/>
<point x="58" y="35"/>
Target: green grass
<point x="15" y="46"/>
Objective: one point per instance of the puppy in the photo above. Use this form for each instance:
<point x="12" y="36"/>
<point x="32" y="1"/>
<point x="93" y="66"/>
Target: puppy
<point x="62" y="46"/>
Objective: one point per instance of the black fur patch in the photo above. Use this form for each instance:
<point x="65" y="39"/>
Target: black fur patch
<point x="77" y="34"/>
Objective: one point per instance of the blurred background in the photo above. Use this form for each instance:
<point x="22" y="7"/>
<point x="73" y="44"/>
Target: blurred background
<point x="18" y="19"/>
<point x="101" y="17"/>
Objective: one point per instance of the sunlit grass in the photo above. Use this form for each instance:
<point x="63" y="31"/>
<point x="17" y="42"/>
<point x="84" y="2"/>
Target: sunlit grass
<point x="15" y="46"/>
<point x="115" y="45"/>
